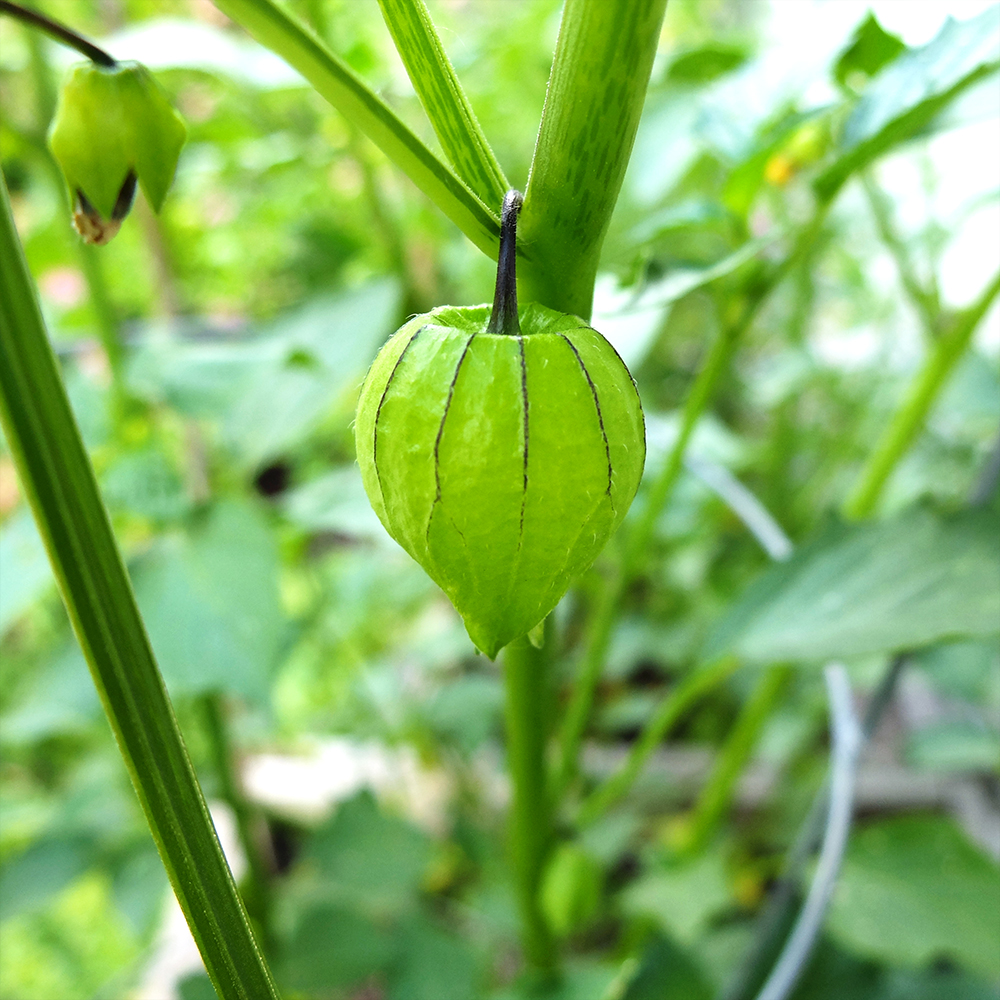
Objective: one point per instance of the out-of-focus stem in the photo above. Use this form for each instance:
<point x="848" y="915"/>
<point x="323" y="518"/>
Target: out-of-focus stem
<point x="912" y="414"/>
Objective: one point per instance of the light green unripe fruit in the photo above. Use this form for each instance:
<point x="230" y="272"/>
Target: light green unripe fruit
<point x="501" y="462"/>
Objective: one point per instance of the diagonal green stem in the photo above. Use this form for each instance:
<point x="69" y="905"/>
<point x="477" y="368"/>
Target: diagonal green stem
<point x="637" y="542"/>
<point x="596" y="90"/>
<point x="912" y="414"/>
<point x="698" y="683"/>
<point x="60" y="486"/>
<point x="360" y="105"/>
<point x="441" y="94"/>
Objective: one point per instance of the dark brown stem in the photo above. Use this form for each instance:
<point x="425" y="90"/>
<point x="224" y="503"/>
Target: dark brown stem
<point x="59" y="32"/>
<point x="503" y="319"/>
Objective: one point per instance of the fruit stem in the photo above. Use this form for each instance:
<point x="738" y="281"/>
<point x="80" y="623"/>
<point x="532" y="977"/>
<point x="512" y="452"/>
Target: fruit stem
<point x="59" y="32"/>
<point x="503" y="319"/>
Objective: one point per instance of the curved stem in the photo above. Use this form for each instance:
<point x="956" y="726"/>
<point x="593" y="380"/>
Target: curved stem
<point x="503" y="318"/>
<point x="59" y="32"/>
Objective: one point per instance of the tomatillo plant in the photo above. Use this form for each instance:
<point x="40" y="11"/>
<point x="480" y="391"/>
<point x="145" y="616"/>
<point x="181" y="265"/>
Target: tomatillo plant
<point x="500" y="448"/>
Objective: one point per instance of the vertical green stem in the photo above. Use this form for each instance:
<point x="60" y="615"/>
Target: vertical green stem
<point x="59" y="483"/>
<point x="600" y="70"/>
<point x="912" y="414"/>
<point x="526" y="682"/>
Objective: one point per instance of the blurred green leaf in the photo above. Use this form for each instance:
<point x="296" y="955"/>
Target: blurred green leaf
<point x="467" y="710"/>
<point x="954" y="746"/>
<point x="706" y="63"/>
<point x="666" y="972"/>
<point x="29" y="880"/>
<point x="914" y="890"/>
<point x="571" y="889"/>
<point x="197" y="987"/>
<point x="334" y="946"/>
<point x="366" y="859"/>
<point x="209" y="598"/>
<point x="871" y="588"/>
<point x="909" y="93"/>
<point x="335" y="502"/>
<point x="24" y="566"/>
<point x="968" y="670"/>
<point x="683" y="899"/>
<point x="432" y="965"/>
<point x="143" y="483"/>
<point x="871" y="48"/>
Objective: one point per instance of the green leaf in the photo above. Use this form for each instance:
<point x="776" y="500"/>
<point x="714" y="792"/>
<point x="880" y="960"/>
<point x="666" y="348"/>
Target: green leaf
<point x="954" y="746"/>
<point x="909" y="93"/>
<point x="366" y="859"/>
<point x="361" y="106"/>
<point x="871" y="588"/>
<point x="58" y="480"/>
<point x="571" y="889"/>
<point x="335" y="502"/>
<point x="29" y="880"/>
<point x="914" y="890"/>
<point x="596" y="90"/>
<point x="682" y="899"/>
<point x="24" y="569"/>
<point x="432" y="965"/>
<point x="334" y="946"/>
<point x="706" y="63"/>
<point x="871" y="48"/>
<point x="210" y="603"/>
<point x="666" y="972"/>
<point x="441" y="94"/>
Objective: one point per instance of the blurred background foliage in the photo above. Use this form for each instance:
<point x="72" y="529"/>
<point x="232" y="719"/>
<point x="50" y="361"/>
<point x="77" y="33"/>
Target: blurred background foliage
<point x="312" y="663"/>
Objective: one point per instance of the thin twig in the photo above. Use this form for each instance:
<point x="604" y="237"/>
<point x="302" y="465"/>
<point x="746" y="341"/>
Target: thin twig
<point x="59" y="32"/>
<point x="847" y="743"/>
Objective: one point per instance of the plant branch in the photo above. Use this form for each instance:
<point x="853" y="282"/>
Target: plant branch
<point x="360" y="105"/>
<point x="59" y="483"/>
<point x="443" y="98"/>
<point x="59" y="32"/>
<point x="912" y="414"/>
<point x="600" y="70"/>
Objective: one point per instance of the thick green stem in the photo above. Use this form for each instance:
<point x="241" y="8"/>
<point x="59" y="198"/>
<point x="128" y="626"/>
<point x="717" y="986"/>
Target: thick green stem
<point x="59" y="483"/>
<point x="736" y="751"/>
<point x="596" y="90"/>
<point x="526" y="682"/>
<point x="912" y="414"/>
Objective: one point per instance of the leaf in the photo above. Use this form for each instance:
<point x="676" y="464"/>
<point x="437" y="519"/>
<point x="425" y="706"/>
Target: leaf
<point x="363" y="858"/>
<point x="333" y="946"/>
<point x="667" y="972"/>
<point x="909" y="93"/>
<point x="871" y="588"/>
<point x="441" y="94"/>
<point x="914" y="890"/>
<point x="210" y="602"/>
<point x="361" y="106"/>
<point x="954" y="746"/>
<point x="24" y="567"/>
<point x="871" y="48"/>
<point x="432" y="965"/>
<point x="29" y="880"/>
<point x="683" y="899"/>
<point x="706" y="63"/>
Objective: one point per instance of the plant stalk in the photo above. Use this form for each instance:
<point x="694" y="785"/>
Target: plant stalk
<point x="59" y="32"/>
<point x="912" y="414"/>
<point x="503" y="316"/>
<point x="526" y="683"/>
<point x="597" y="86"/>
<point x="61" y="488"/>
